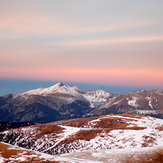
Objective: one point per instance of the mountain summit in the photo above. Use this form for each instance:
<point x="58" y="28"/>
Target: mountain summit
<point x="44" y="91"/>
<point x="60" y="102"/>
<point x="71" y="92"/>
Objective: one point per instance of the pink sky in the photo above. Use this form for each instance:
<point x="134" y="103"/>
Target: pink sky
<point x="85" y="41"/>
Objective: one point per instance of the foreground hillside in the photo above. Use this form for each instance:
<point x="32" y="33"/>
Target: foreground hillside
<point x="14" y="154"/>
<point x="95" y="133"/>
<point x="61" y="102"/>
<point x="136" y="155"/>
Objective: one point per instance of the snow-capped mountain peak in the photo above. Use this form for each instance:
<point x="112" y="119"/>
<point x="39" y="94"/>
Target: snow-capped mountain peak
<point x="73" y="93"/>
<point x="57" y="88"/>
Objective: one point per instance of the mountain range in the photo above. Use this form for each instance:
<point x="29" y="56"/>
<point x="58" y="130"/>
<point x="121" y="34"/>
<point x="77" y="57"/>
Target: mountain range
<point x="61" y="102"/>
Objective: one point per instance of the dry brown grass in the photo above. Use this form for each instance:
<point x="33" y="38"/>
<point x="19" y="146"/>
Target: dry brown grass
<point x="5" y="152"/>
<point x="84" y="135"/>
<point x="104" y="122"/>
<point x="45" y="128"/>
<point x="48" y="129"/>
<point x="155" y="157"/>
<point x="41" y="130"/>
<point x="160" y="128"/>
<point x="9" y="153"/>
<point x="80" y="122"/>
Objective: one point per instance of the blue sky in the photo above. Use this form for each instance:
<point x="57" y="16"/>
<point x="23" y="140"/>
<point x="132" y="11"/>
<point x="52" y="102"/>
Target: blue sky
<point x="9" y="86"/>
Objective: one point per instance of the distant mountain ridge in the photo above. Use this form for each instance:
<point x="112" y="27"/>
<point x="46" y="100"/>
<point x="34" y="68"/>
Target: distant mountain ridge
<point x="140" y="102"/>
<point x="60" y="102"/>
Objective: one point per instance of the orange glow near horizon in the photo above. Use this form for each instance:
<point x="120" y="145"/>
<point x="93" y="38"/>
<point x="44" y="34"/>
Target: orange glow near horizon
<point x="107" y="77"/>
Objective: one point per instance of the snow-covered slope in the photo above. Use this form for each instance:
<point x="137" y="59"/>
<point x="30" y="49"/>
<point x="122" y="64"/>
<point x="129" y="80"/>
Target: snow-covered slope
<point x="95" y="98"/>
<point x="98" y="97"/>
<point x="57" y="88"/>
<point x="95" y="133"/>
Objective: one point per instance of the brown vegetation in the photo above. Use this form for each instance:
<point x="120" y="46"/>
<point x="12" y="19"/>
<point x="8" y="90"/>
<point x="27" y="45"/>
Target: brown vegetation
<point x="14" y="154"/>
<point x="148" y="140"/>
<point x="103" y="122"/>
<point x="84" y="135"/>
<point x="155" y="157"/>
<point x="80" y="122"/>
<point x="160" y="128"/>
<point x="48" y="129"/>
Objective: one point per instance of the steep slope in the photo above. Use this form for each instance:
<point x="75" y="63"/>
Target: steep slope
<point x="95" y="133"/>
<point x="50" y="104"/>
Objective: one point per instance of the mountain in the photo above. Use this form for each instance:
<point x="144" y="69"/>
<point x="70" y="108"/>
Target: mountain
<point x="50" y="104"/>
<point x="61" y="102"/>
<point x="140" y="102"/>
<point x="108" y="132"/>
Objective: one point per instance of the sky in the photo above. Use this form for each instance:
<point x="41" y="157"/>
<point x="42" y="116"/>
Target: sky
<point x="116" y="44"/>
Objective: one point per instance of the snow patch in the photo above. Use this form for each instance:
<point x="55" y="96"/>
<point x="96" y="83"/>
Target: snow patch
<point x="133" y="102"/>
<point x="96" y="98"/>
<point x="2" y="159"/>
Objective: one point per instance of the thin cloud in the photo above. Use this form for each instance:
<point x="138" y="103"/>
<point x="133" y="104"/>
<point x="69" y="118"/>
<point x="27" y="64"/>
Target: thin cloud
<point x="27" y="25"/>
<point x="100" y="42"/>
